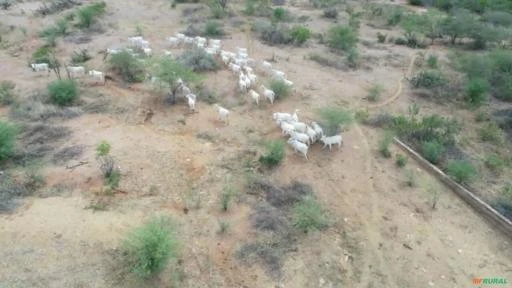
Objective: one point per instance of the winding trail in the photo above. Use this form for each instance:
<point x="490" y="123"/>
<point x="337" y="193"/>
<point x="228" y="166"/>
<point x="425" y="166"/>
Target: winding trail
<point x="400" y="86"/>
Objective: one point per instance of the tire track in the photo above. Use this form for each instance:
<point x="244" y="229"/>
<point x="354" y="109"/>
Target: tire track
<point x="378" y="264"/>
<point x="374" y="263"/>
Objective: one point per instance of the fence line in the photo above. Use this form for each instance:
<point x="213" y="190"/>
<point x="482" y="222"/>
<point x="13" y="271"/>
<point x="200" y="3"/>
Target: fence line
<point x="493" y="216"/>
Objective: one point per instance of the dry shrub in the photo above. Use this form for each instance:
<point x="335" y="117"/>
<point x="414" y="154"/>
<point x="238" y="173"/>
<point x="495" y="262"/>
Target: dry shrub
<point x="68" y="153"/>
<point x="269" y="218"/>
<point x="281" y="196"/>
<point x="55" y="6"/>
<point x="36" y="142"/>
<point x="274" y="219"/>
<point x="33" y="109"/>
<point x="270" y="252"/>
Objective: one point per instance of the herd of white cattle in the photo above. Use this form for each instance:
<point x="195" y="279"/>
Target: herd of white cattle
<point x="301" y="135"/>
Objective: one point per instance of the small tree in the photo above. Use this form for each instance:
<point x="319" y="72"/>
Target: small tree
<point x="281" y="90"/>
<point x="458" y="25"/>
<point x="127" y="66"/>
<point x="332" y="118"/>
<point x="88" y="14"/>
<point x="170" y="71"/>
<point x="111" y="173"/>
<point x="342" y="38"/>
<point x="198" y="60"/>
<point x="149" y="248"/>
<point x="461" y="170"/>
<point x="280" y="14"/>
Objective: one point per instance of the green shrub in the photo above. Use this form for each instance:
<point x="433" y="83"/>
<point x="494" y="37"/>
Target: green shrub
<point x="507" y="191"/>
<point x="249" y="7"/>
<point x="495" y="162"/>
<point x="352" y="58"/>
<point x="411" y="179"/>
<point x="476" y="91"/>
<point x="432" y="61"/>
<point x="127" y="66"/>
<point x="113" y="179"/>
<point x="400" y="41"/>
<point x="401" y="160"/>
<point x="79" y="57"/>
<point x="362" y="116"/>
<point x="501" y="74"/>
<point x="308" y="215"/>
<point x="149" y="248"/>
<point x="275" y="153"/>
<point x="218" y="8"/>
<point x="428" y="79"/>
<point x="6" y="92"/>
<point x="494" y="67"/>
<point x="300" y="35"/>
<point x="374" y="92"/>
<point x="63" y="92"/>
<point x="8" y="134"/>
<point x="341" y="38"/>
<point x="432" y="151"/>
<point x="226" y="197"/>
<point x="89" y="14"/>
<point x="482" y="116"/>
<point x="257" y="8"/>
<point x="354" y="22"/>
<point x="461" y="170"/>
<point x="198" y="60"/>
<point x="332" y="117"/>
<point x="103" y="149"/>
<point x="331" y="12"/>
<point x="325" y="3"/>
<point x="59" y="29"/>
<point x="42" y="55"/>
<point x="280" y="14"/>
<point x="491" y="132"/>
<point x="213" y="29"/>
<point x="223" y="228"/>
<point x="428" y="128"/>
<point x="281" y="90"/>
<point x="498" y="18"/>
<point x="381" y="38"/>
<point x="395" y="16"/>
<point x="384" y="144"/>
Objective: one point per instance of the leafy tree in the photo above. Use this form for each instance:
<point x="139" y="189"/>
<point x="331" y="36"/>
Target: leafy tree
<point x="170" y="71"/>
<point x="458" y="25"/>
<point x="429" y="24"/>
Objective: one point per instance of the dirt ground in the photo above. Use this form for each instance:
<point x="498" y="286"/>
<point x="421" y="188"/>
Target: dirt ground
<point x="384" y="233"/>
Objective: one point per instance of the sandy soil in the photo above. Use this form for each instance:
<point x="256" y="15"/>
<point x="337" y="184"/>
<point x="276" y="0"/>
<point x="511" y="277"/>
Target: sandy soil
<point x="384" y="234"/>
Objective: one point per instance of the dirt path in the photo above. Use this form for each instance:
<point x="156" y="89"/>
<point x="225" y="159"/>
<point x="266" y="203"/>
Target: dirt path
<point x="399" y="86"/>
